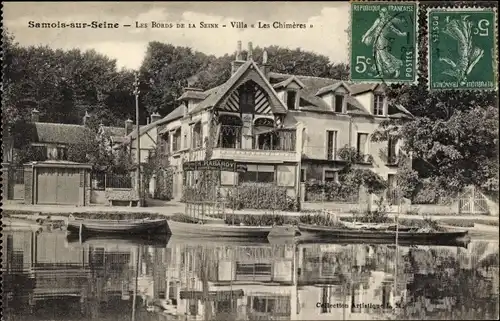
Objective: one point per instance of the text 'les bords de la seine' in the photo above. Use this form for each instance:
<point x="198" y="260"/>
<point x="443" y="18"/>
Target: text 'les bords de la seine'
<point x="165" y="25"/>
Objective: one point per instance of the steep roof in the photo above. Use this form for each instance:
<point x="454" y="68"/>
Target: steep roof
<point x="217" y="94"/>
<point x="309" y="100"/>
<point x="357" y="89"/>
<point x="173" y="115"/>
<point x="54" y="133"/>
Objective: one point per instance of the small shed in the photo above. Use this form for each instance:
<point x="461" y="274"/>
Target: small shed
<point x="56" y="183"/>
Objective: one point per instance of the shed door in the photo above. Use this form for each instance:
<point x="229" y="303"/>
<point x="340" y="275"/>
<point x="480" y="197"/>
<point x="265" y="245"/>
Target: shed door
<point x="58" y="186"/>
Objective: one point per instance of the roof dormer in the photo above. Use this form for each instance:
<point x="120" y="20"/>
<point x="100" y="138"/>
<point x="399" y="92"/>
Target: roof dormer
<point x="288" y="84"/>
<point x="335" y="96"/>
<point x="191" y="97"/>
<point x="288" y="90"/>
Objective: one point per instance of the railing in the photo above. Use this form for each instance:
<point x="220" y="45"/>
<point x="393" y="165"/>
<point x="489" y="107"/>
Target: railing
<point x="102" y="180"/>
<point x="231" y="137"/>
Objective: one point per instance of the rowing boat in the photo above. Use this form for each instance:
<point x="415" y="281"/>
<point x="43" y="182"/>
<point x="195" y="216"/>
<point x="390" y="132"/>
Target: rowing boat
<point x="310" y="233"/>
<point x="200" y="231"/>
<point x="96" y="226"/>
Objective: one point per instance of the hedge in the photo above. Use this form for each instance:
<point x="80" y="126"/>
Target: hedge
<point x="317" y="191"/>
<point x="261" y="196"/>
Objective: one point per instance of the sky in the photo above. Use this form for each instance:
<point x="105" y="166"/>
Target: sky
<point x="327" y="36"/>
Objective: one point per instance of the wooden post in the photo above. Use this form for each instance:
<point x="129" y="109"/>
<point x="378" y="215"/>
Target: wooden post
<point x="80" y="233"/>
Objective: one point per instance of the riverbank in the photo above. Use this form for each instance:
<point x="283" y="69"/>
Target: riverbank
<point x="172" y="208"/>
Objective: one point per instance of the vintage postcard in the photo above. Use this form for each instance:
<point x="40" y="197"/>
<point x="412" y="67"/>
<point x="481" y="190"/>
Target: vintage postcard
<point x="261" y="160"/>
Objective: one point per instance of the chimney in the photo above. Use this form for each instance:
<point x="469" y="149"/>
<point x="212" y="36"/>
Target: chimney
<point x="86" y="118"/>
<point x="238" y="59"/>
<point x="147" y="120"/>
<point x="264" y="67"/>
<point x="128" y="126"/>
<point x="155" y="117"/>
<point x="250" y="51"/>
<point x="238" y="51"/>
<point x="35" y="115"/>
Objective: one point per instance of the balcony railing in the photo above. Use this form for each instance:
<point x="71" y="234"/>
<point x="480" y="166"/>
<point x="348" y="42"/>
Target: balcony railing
<point x="280" y="140"/>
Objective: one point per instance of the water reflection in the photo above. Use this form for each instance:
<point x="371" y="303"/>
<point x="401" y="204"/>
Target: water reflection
<point x="45" y="277"/>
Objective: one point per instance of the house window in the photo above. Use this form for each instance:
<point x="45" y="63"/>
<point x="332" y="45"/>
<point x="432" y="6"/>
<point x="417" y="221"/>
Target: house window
<point x="230" y="131"/>
<point x="378" y="105"/>
<point x="391" y="150"/>
<point x="247" y="98"/>
<point x="362" y="142"/>
<point x="176" y="140"/>
<point x="258" y="174"/>
<point x="197" y="136"/>
<point x="164" y="143"/>
<point x="331" y="176"/>
<point x="339" y="103"/>
<point x="62" y="153"/>
<point x="291" y="99"/>
<point x="331" y="144"/>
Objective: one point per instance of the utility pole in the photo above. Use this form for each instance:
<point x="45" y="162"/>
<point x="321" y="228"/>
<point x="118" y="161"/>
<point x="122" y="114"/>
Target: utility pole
<point x="138" y="145"/>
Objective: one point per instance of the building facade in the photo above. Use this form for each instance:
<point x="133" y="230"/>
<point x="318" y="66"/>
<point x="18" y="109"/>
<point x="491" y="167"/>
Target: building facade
<point x="285" y="129"/>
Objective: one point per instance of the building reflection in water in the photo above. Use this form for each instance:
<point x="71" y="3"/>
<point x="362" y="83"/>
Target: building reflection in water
<point x="47" y="278"/>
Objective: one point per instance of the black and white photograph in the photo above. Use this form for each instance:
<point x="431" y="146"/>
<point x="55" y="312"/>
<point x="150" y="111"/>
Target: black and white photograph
<point x="244" y="161"/>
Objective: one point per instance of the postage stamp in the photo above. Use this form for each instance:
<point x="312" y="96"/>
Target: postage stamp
<point x="462" y="49"/>
<point x="383" y="42"/>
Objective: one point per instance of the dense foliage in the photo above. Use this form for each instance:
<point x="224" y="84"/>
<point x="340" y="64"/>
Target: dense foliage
<point x="454" y="136"/>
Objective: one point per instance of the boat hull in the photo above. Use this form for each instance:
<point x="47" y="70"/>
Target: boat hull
<point x="124" y="227"/>
<point x="312" y="233"/>
<point x="201" y="231"/>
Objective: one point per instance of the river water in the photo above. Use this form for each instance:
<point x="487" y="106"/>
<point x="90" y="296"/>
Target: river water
<point x="48" y="278"/>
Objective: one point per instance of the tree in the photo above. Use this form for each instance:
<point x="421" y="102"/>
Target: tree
<point x="93" y="148"/>
<point x="453" y="138"/>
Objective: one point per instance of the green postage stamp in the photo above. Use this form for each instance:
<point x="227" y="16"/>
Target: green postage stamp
<point x="462" y="49"/>
<point x="383" y="42"/>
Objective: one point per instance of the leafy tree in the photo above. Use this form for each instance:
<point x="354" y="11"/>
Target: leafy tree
<point x="94" y="149"/>
<point x="453" y="138"/>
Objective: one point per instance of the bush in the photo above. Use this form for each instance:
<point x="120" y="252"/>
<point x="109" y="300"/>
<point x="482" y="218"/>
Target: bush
<point x="331" y="192"/>
<point x="259" y="220"/>
<point x="261" y="196"/>
<point x="183" y="218"/>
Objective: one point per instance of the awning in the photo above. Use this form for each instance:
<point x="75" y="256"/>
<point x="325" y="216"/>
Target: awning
<point x="212" y="295"/>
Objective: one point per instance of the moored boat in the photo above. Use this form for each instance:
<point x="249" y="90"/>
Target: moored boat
<point x="96" y="226"/>
<point x="217" y="230"/>
<point x="314" y="233"/>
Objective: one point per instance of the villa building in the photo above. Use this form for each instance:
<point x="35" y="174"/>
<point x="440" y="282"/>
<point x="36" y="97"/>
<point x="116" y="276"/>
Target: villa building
<point x="284" y="129"/>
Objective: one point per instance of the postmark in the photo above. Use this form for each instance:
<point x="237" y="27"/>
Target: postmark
<point x="462" y="48"/>
<point x="383" y="42"/>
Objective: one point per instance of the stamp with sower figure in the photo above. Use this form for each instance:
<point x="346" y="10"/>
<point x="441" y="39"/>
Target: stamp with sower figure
<point x="462" y="48"/>
<point x="384" y="42"/>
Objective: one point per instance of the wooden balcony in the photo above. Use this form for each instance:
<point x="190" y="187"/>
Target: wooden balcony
<point x="272" y="146"/>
